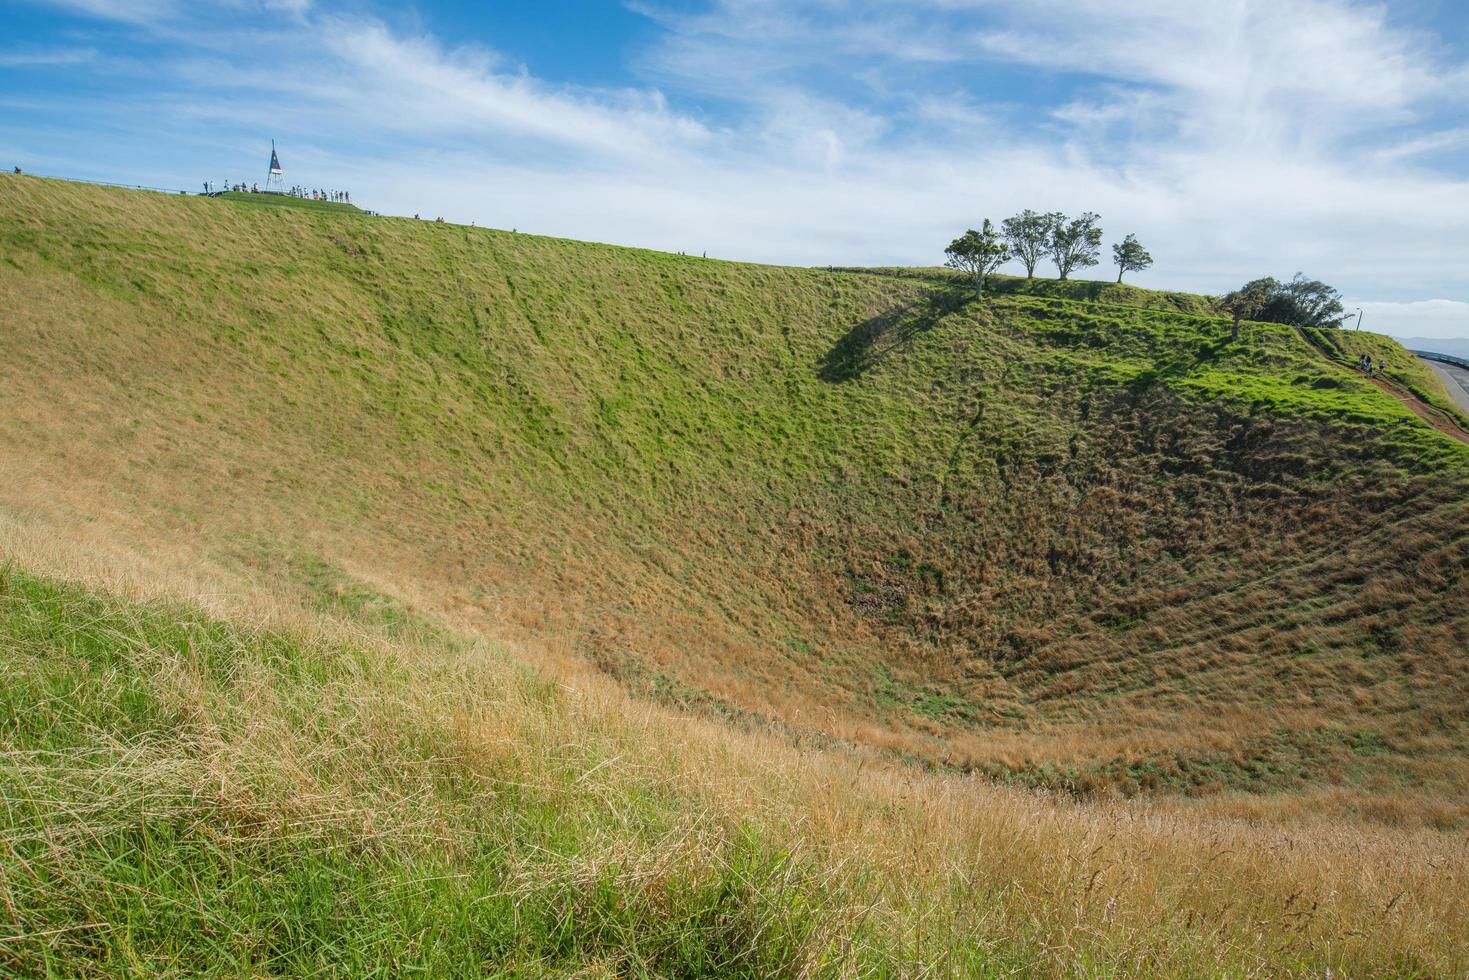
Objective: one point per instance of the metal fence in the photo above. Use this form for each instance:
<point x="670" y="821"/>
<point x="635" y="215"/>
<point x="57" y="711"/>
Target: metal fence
<point x="110" y="183"/>
<point x="1446" y="358"/>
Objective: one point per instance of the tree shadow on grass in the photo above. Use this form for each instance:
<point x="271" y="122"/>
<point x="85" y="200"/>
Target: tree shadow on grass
<point x="865" y="345"/>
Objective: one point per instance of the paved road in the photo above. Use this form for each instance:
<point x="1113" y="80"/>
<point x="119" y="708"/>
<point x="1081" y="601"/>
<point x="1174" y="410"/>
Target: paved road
<point x="1454" y="378"/>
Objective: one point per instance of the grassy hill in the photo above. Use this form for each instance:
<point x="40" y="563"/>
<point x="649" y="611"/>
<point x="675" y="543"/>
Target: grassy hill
<point x="1072" y="538"/>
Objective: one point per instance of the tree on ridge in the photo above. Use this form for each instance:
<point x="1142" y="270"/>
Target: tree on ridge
<point x="1247" y="302"/>
<point x="1029" y="236"/>
<point x="1305" y="302"/>
<point x="978" y="253"/>
<point x="1130" y="256"/>
<point x="1074" y="244"/>
<point x="1301" y="302"/>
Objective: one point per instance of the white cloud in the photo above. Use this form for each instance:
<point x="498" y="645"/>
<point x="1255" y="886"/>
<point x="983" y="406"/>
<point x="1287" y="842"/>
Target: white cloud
<point x="1246" y="69"/>
<point x="1433" y="318"/>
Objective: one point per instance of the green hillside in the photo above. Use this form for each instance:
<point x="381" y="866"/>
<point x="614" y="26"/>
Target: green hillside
<point x="969" y="533"/>
<point x="1072" y="538"/>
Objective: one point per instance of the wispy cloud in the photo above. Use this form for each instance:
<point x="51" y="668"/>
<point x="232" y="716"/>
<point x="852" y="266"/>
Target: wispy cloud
<point x="1428" y="143"/>
<point x="47" y="58"/>
<point x="126" y="11"/>
<point x="415" y="83"/>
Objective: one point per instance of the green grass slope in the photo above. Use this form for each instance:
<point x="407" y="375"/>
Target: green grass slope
<point x="273" y="803"/>
<point x="1072" y="536"/>
<point x="188" y="796"/>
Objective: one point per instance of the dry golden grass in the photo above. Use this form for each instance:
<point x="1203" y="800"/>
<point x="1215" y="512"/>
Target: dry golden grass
<point x="944" y="874"/>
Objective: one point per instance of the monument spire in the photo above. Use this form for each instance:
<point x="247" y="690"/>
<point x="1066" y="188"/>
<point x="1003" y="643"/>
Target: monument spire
<point x="274" y="180"/>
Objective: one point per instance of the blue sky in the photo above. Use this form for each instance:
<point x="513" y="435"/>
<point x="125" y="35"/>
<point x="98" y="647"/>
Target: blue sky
<point x="1236" y="138"/>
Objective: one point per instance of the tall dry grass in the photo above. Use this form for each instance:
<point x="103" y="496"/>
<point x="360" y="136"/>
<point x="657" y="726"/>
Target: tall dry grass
<point x="921" y="872"/>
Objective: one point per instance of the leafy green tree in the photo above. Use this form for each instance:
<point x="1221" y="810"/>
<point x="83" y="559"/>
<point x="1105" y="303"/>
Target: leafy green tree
<point x="1301" y="302"/>
<point x="1029" y="237"/>
<point x="1130" y="256"/>
<point x="1306" y="303"/>
<point x="1248" y="302"/>
<point x="1075" y="243"/>
<point x="978" y="253"/>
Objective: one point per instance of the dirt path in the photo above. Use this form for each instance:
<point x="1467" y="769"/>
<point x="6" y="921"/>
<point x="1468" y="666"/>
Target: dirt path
<point x="1436" y="417"/>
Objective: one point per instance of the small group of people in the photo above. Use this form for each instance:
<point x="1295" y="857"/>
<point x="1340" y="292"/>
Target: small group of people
<point x="225" y="187"/>
<point x="1369" y="367"/>
<point x="340" y="197"/>
<point x="307" y="194"/>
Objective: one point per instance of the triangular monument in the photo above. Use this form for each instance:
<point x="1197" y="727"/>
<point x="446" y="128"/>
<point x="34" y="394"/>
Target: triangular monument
<point x="275" y="182"/>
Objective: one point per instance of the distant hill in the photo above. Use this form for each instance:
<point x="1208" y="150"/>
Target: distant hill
<point x="1071" y="537"/>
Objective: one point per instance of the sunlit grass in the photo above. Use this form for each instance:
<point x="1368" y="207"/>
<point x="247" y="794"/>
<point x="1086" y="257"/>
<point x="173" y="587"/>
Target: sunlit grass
<point x="184" y="795"/>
